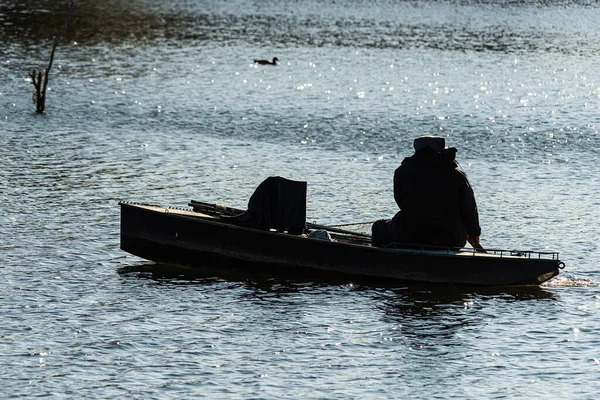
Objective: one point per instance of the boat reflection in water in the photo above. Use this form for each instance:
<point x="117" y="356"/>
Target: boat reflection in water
<point x="425" y="299"/>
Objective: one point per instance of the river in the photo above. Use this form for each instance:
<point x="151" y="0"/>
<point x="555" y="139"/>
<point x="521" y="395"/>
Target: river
<point x="160" y="102"/>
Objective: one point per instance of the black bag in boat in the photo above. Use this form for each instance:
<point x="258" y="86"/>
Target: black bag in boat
<point x="277" y="203"/>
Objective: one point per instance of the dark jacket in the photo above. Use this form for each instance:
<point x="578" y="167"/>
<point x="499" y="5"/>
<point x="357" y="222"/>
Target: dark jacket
<point x="437" y="204"/>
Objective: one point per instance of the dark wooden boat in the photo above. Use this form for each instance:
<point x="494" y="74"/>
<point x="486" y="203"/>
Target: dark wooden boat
<point x="207" y="233"/>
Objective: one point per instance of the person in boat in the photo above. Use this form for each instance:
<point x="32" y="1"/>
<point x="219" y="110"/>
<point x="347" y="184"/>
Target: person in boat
<point x="437" y="203"/>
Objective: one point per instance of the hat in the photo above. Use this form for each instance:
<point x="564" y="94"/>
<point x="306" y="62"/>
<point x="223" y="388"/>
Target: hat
<point x="437" y="143"/>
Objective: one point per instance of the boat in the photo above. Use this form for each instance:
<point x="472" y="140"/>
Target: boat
<point x="207" y="233"/>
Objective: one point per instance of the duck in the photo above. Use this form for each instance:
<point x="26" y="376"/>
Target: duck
<point x="274" y="61"/>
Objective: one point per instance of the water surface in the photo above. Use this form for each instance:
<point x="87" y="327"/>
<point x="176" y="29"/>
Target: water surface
<point x="159" y="102"/>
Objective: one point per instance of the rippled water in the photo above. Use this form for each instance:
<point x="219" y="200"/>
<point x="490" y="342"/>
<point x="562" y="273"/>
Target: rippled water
<point x="159" y="102"/>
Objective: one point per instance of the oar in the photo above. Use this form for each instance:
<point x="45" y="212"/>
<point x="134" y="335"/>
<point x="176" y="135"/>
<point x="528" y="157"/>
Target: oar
<point x="352" y="223"/>
<point x="336" y="230"/>
<point x="218" y="208"/>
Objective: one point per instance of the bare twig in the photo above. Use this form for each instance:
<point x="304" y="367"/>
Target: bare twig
<point x="40" y="94"/>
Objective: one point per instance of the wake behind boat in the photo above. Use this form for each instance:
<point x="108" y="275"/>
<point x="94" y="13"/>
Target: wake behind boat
<point x="270" y="235"/>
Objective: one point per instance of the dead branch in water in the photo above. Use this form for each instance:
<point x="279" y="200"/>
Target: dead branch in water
<point x="36" y="76"/>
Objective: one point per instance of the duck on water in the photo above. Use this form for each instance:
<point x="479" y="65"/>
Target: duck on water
<point x="273" y="61"/>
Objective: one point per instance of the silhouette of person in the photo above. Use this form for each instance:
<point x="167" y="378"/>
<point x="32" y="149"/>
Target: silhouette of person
<point x="437" y="203"/>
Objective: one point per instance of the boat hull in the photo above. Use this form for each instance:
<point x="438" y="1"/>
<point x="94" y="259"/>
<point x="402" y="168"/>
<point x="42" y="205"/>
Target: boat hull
<point x="185" y="237"/>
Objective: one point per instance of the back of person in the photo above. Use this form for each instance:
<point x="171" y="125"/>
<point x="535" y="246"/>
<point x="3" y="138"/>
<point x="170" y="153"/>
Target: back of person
<point x="427" y="190"/>
<point x="436" y="201"/>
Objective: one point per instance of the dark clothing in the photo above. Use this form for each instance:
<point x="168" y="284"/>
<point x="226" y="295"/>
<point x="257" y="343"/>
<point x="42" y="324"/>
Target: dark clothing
<point x="277" y="203"/>
<point x="437" y="204"/>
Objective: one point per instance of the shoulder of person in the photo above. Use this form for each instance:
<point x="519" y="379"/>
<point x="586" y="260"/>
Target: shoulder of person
<point x="461" y="176"/>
